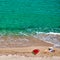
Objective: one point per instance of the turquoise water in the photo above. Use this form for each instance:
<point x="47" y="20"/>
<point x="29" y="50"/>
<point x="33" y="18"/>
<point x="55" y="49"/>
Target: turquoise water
<point x="29" y="16"/>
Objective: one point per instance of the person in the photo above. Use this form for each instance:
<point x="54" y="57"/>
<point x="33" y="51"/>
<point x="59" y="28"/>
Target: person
<point x="51" y="49"/>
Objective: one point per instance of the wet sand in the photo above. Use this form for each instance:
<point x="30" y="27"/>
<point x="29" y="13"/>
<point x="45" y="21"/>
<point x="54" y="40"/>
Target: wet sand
<point x="21" y="41"/>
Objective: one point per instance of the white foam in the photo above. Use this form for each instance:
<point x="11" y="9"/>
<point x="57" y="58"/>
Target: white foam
<point x="53" y="33"/>
<point x="48" y="33"/>
<point x="21" y="33"/>
<point x="39" y="32"/>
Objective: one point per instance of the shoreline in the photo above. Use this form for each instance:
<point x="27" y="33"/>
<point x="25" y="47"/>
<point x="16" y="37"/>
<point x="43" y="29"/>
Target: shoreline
<point x="21" y="41"/>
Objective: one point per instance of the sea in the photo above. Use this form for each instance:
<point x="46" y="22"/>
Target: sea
<point x="29" y="17"/>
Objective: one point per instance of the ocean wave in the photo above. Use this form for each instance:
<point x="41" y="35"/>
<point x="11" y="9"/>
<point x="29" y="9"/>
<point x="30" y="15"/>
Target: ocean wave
<point x="53" y="33"/>
<point x="48" y="33"/>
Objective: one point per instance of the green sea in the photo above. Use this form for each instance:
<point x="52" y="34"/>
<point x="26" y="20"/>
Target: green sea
<point x="29" y="16"/>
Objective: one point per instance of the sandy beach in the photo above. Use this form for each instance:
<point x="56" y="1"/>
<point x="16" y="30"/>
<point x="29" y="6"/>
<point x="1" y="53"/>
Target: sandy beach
<point x="14" y="57"/>
<point x="21" y="47"/>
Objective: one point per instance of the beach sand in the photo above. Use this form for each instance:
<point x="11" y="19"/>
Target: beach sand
<point x="21" y="47"/>
<point x="10" y="57"/>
